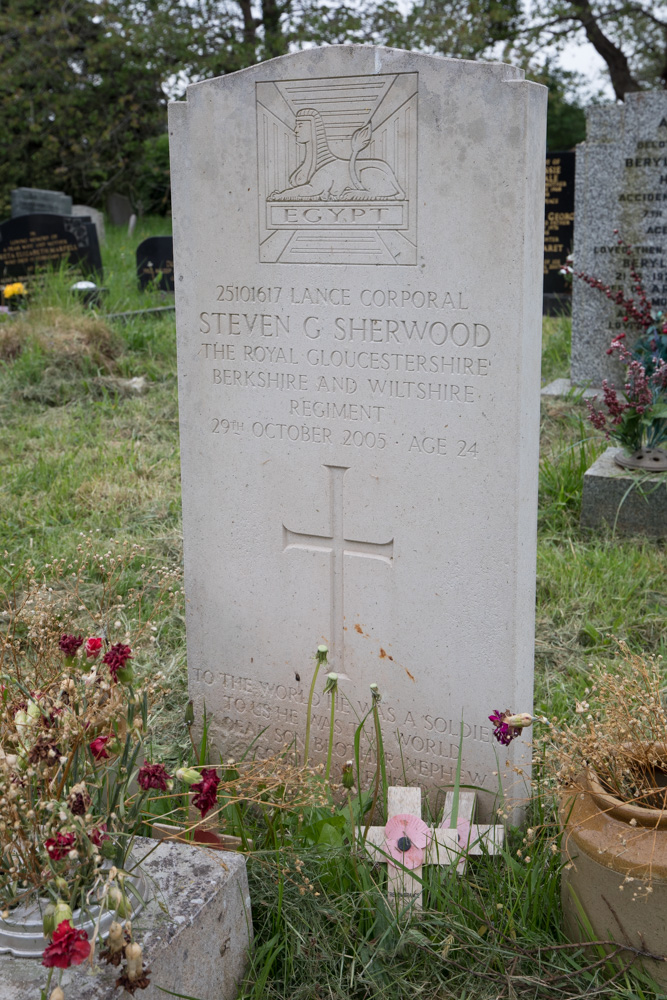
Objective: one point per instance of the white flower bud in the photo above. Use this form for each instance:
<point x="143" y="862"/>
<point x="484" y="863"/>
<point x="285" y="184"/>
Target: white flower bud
<point x="134" y="961"/>
<point x="62" y="912"/>
<point x="116" y="938"/>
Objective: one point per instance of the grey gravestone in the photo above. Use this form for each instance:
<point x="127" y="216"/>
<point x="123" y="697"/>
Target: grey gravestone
<point x="359" y="302"/>
<point x="33" y="241"/>
<point x="558" y="229"/>
<point x="155" y="263"/>
<point x="621" y="183"/>
<point x="119" y="209"/>
<point x="630" y="503"/>
<point x="36" y="201"/>
<point x="195" y="930"/>
<point x="96" y="216"/>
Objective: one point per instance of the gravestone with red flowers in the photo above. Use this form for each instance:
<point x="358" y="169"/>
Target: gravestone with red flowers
<point x="358" y="237"/>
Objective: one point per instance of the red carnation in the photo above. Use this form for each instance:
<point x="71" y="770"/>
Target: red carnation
<point x="116" y="658"/>
<point x="70" y="644"/>
<point x="93" y="647"/>
<point x="98" y="747"/>
<point x="153" y="776"/>
<point x="57" y="848"/>
<point x="207" y="789"/>
<point x="98" y="834"/>
<point x="69" y="947"/>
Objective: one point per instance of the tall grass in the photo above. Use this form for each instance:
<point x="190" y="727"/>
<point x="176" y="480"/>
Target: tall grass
<point x="77" y="455"/>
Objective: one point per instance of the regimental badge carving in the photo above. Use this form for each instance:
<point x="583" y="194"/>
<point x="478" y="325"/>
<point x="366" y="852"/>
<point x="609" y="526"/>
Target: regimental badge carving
<point x="337" y="161"/>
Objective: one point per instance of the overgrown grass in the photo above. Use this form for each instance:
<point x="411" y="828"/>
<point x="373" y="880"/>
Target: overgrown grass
<point x="79" y="455"/>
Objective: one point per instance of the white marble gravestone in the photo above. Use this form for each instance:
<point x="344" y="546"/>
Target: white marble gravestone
<point x="358" y="272"/>
<point x="621" y="183"/>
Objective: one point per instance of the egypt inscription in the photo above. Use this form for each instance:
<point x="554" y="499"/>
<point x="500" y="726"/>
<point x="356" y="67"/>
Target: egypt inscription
<point x="337" y="170"/>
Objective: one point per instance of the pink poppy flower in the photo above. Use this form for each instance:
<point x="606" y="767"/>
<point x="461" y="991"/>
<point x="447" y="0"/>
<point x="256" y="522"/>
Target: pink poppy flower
<point x="406" y="838"/>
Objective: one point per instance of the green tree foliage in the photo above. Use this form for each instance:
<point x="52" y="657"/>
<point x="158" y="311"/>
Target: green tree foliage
<point x="78" y="94"/>
<point x="566" y="118"/>
<point x="631" y="37"/>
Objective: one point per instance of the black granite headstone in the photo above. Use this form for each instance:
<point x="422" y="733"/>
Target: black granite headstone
<point x="29" y="242"/>
<point x="38" y="201"/>
<point x="155" y="263"/>
<point x="558" y="221"/>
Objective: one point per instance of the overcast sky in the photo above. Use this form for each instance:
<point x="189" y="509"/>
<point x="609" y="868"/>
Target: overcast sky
<point x="583" y="59"/>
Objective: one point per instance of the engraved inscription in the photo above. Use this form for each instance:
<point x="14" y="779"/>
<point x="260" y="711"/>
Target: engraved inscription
<point x="337" y="170"/>
<point x="436" y="355"/>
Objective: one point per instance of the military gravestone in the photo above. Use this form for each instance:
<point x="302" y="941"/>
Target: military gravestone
<point x="558" y="229"/>
<point x="30" y="242"/>
<point x="359" y="397"/>
<point x="621" y="184"/>
<point x="37" y="201"/>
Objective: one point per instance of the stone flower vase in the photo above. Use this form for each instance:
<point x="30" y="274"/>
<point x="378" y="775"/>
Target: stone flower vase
<point x="615" y="875"/>
<point x="22" y="935"/>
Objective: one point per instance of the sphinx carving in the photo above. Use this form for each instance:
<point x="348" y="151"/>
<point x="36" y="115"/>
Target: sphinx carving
<point x="322" y="175"/>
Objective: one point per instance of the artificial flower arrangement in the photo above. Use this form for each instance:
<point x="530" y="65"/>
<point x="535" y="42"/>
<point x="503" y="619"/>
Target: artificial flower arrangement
<point x="14" y="294"/>
<point x="637" y="419"/>
<point x="74" y="777"/>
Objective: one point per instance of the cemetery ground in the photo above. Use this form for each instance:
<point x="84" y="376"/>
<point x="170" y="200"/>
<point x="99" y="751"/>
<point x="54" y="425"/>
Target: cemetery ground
<point x="81" y="457"/>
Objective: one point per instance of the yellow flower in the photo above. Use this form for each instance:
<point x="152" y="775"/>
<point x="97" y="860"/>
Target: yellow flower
<point x="18" y="288"/>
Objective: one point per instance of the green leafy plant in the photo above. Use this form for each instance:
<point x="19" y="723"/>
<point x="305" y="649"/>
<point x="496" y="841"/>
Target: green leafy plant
<point x="638" y="419"/>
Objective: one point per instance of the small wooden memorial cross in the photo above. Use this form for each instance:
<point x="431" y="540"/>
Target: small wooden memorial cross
<point x="447" y="845"/>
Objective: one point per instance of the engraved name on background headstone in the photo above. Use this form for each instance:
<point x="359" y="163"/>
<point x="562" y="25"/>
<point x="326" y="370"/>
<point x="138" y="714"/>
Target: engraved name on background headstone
<point x="621" y="183"/>
<point x="31" y="242"/>
<point x="358" y="270"/>
<point x="558" y="223"/>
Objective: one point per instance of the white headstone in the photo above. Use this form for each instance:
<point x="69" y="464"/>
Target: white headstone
<point x="96" y="216"/>
<point x="358" y="271"/>
<point x="621" y="183"/>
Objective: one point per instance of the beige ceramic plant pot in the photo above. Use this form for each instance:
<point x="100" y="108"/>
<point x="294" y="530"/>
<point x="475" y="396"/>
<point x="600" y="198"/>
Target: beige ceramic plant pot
<point x="614" y="882"/>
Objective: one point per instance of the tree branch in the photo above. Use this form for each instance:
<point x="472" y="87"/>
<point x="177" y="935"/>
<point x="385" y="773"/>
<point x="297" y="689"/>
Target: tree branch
<point x="621" y="77"/>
